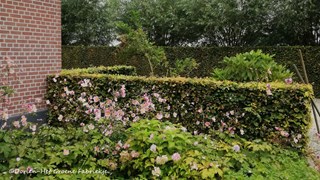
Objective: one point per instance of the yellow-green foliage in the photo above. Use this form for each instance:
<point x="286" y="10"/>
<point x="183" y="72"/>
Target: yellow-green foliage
<point x="120" y="70"/>
<point x="198" y="104"/>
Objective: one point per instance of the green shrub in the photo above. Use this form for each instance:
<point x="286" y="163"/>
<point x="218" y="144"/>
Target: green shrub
<point x="45" y="152"/>
<point x="276" y="112"/>
<point x="120" y="70"/>
<point x="104" y="149"/>
<point x="251" y="66"/>
<point x="167" y="151"/>
<point x="135" y="46"/>
<point x="183" y="67"/>
<point x="164" y="146"/>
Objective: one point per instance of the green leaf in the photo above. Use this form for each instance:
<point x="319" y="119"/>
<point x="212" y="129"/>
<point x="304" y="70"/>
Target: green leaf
<point x="5" y="149"/>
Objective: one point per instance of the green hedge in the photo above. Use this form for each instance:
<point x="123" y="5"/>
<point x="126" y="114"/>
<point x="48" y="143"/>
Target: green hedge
<point x="198" y="104"/>
<point x="84" y="57"/>
<point x="120" y="70"/>
<point x="208" y="57"/>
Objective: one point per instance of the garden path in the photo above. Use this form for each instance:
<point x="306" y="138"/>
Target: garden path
<point x="314" y="139"/>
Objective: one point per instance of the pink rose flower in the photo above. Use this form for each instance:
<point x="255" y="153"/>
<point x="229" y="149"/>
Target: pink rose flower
<point x="16" y="124"/>
<point x="236" y="148"/>
<point x="66" y="152"/>
<point x="96" y="99"/>
<point x="24" y="121"/>
<point x="153" y="148"/>
<point x="123" y="91"/>
<point x="284" y="133"/>
<point x="134" y="154"/>
<point x="159" y="116"/>
<point x="176" y="157"/>
<point x="288" y="80"/>
<point x="151" y="136"/>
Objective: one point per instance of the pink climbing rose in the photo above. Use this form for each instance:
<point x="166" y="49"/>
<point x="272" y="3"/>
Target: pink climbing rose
<point x="176" y="157"/>
<point x="66" y="152"/>
<point x="153" y="148"/>
<point x="236" y="148"/>
<point x="288" y="80"/>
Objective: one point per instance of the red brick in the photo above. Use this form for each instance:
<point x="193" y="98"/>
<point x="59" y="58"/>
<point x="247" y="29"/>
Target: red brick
<point x="30" y="33"/>
<point x="15" y="16"/>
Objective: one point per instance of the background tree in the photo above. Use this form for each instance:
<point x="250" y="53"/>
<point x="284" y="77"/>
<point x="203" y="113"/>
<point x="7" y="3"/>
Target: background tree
<point x="194" y="22"/>
<point x="294" y="22"/>
<point x="315" y="15"/>
<point x="235" y="23"/>
<point x="166" y="22"/>
<point x="87" y="22"/>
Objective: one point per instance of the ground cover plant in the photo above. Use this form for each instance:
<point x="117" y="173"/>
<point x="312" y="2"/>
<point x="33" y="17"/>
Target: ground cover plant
<point x="148" y="149"/>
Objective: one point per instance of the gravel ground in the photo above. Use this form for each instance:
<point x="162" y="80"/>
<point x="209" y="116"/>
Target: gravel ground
<point x="314" y="140"/>
<point x="314" y="145"/>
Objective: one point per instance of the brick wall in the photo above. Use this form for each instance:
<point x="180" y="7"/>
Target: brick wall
<point x="30" y="34"/>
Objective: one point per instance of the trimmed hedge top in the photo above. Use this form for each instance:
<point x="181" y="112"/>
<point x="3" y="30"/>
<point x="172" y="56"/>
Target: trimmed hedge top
<point x="182" y="80"/>
<point x="198" y="104"/>
<point x="120" y="70"/>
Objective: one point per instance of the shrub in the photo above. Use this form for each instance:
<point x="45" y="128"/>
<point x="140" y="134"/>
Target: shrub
<point x="277" y="112"/>
<point x="135" y="46"/>
<point x="183" y="67"/>
<point x="103" y="149"/>
<point x="28" y="151"/>
<point x="251" y="66"/>
<point x="166" y="150"/>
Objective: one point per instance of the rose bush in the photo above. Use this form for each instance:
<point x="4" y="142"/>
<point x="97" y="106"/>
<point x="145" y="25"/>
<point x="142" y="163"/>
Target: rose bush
<point x="252" y="110"/>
